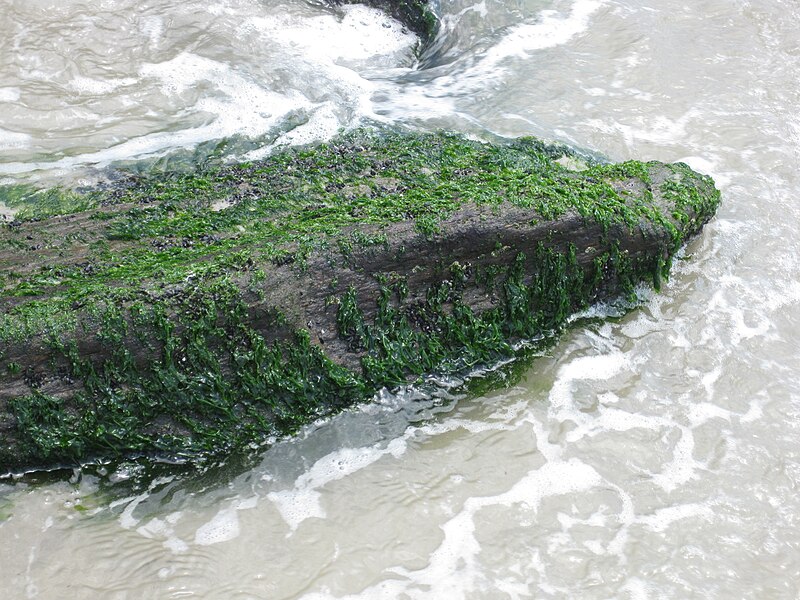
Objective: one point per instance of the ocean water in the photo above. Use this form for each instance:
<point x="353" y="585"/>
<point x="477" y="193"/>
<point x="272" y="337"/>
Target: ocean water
<point x="649" y="455"/>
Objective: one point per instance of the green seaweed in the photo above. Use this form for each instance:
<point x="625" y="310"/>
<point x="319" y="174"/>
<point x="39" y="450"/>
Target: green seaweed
<point x="173" y="263"/>
<point x="288" y="205"/>
<point x="28" y="201"/>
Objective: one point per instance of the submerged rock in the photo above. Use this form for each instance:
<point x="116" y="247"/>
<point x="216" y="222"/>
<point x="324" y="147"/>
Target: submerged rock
<point x="190" y="315"/>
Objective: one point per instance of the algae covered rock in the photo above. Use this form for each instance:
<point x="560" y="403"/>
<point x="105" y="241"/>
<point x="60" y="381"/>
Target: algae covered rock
<point x="185" y="316"/>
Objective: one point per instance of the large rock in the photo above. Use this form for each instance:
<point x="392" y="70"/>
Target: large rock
<point x="191" y="315"/>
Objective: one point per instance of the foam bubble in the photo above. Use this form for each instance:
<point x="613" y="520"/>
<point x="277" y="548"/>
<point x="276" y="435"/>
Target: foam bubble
<point x="704" y="411"/>
<point x="222" y="528"/>
<point x="322" y="125"/>
<point x="297" y="505"/>
<point x="703" y="164"/>
<point x="754" y="412"/>
<point x="641" y="325"/>
<point x="613" y="419"/>
<point x="163" y="529"/>
<point x="658" y="130"/>
<point x="479" y="7"/>
<point x="603" y="366"/>
<point x="126" y="518"/>
<point x="638" y="589"/>
<point x="314" y="70"/>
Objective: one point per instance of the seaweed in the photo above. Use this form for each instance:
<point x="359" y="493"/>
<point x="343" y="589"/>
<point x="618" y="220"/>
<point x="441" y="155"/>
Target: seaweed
<point x="163" y="318"/>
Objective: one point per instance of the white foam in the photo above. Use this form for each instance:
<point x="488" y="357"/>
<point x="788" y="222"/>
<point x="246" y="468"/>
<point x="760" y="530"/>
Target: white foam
<point x="453" y="571"/>
<point x="663" y="518"/>
<point x="363" y="33"/>
<point x="222" y="528"/>
<point x="152" y="26"/>
<point x="297" y="505"/>
<point x="325" y="89"/>
<point x="598" y="367"/>
<point x="754" y="411"/>
<point x="219" y="9"/>
<point x="637" y="589"/>
<point x="570" y="424"/>
<point x="10" y="94"/>
<point x="164" y="530"/>
<point x="550" y="30"/>
<point x="479" y="7"/>
<point x="13" y="139"/>
<point x="702" y="412"/>
<point x="240" y="106"/>
<point x="98" y="87"/>
<point x="613" y="419"/>
<point x="303" y="500"/>
<point x="437" y="98"/>
<point x="658" y="130"/>
<point x="323" y="124"/>
<point x="126" y="518"/>
<point x="710" y="379"/>
<point x="640" y="325"/>
<point x="682" y="467"/>
<point x="703" y="164"/>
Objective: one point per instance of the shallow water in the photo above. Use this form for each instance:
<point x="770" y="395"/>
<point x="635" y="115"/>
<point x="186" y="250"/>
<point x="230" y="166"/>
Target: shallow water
<point x="654" y="455"/>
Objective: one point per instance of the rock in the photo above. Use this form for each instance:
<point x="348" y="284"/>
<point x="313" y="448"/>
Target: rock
<point x="188" y="316"/>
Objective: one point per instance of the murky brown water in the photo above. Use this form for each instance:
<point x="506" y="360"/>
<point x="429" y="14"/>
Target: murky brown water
<point x="655" y="455"/>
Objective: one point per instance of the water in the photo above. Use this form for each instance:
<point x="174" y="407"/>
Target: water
<point x="85" y="84"/>
<point x="651" y="456"/>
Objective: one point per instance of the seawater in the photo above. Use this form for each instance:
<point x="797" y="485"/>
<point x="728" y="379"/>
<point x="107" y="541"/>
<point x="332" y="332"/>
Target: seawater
<point x="644" y="456"/>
